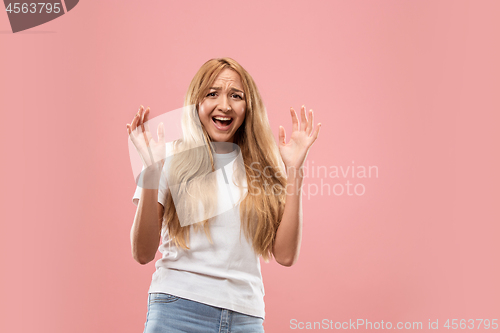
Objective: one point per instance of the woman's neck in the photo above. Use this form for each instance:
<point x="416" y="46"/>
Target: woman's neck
<point x="223" y="147"/>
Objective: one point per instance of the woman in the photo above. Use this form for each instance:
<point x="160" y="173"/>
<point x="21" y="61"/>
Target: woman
<point x="211" y="281"/>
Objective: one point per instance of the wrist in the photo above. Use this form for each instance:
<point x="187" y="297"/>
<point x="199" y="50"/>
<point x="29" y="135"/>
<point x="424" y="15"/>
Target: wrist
<point x="295" y="173"/>
<point x="149" y="178"/>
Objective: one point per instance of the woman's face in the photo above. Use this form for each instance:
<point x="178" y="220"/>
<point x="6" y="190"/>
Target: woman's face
<point x="222" y="110"/>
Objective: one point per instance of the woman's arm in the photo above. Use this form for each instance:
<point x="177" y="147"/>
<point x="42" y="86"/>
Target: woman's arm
<point x="289" y="234"/>
<point x="145" y="232"/>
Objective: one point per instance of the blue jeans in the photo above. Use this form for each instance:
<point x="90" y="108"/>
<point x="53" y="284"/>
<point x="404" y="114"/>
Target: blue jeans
<point x="172" y="314"/>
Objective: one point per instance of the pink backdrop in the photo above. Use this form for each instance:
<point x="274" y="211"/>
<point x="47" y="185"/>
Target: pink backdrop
<point x="409" y="87"/>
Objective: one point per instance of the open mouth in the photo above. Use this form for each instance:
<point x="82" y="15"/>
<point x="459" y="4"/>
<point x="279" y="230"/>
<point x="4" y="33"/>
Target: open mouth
<point x="222" y="123"/>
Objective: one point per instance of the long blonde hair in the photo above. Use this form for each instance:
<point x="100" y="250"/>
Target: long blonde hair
<point x="260" y="211"/>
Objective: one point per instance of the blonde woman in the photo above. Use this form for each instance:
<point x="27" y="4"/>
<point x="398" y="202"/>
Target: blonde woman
<point x="209" y="277"/>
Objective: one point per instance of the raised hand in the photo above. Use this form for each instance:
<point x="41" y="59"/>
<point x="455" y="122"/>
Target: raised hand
<point x="152" y="153"/>
<point x="295" y="151"/>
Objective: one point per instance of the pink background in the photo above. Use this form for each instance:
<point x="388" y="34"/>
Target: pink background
<point x="411" y="87"/>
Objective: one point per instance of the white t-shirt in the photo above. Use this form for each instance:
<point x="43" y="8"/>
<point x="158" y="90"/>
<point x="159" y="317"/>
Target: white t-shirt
<point x="224" y="274"/>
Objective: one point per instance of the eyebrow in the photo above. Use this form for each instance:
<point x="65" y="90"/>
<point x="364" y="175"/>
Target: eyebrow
<point x="219" y="88"/>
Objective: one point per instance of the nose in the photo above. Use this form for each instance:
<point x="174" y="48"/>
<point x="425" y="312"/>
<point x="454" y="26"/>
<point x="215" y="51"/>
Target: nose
<point x="223" y="104"/>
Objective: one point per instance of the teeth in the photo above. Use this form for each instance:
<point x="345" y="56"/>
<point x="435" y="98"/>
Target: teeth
<point x="222" y="118"/>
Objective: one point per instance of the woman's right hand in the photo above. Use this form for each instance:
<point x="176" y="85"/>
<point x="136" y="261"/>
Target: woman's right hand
<point x="153" y="154"/>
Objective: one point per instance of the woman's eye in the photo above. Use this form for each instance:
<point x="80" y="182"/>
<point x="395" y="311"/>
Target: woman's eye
<point x="212" y="94"/>
<point x="237" y="96"/>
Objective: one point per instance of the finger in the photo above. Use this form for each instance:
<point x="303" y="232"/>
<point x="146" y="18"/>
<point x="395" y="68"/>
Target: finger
<point x="145" y="126"/>
<point x="140" y="113"/>
<point x="145" y="116"/>
<point x="147" y="133"/>
<point x="295" y="120"/>
<point x="140" y="125"/>
<point x="147" y="138"/>
<point x="137" y="120"/>
<point x="282" y="136"/>
<point x="133" y="126"/>
<point x="316" y="133"/>
<point x="310" y="122"/>
<point x="129" y="130"/>
<point x="303" y="118"/>
<point x="161" y="133"/>
<point x="131" y="134"/>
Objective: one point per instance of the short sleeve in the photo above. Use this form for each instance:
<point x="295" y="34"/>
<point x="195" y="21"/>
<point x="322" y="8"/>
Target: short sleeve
<point x="162" y="189"/>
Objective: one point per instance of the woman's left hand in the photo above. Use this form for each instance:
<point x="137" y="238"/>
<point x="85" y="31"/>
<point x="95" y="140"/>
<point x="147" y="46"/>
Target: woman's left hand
<point x="295" y="151"/>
